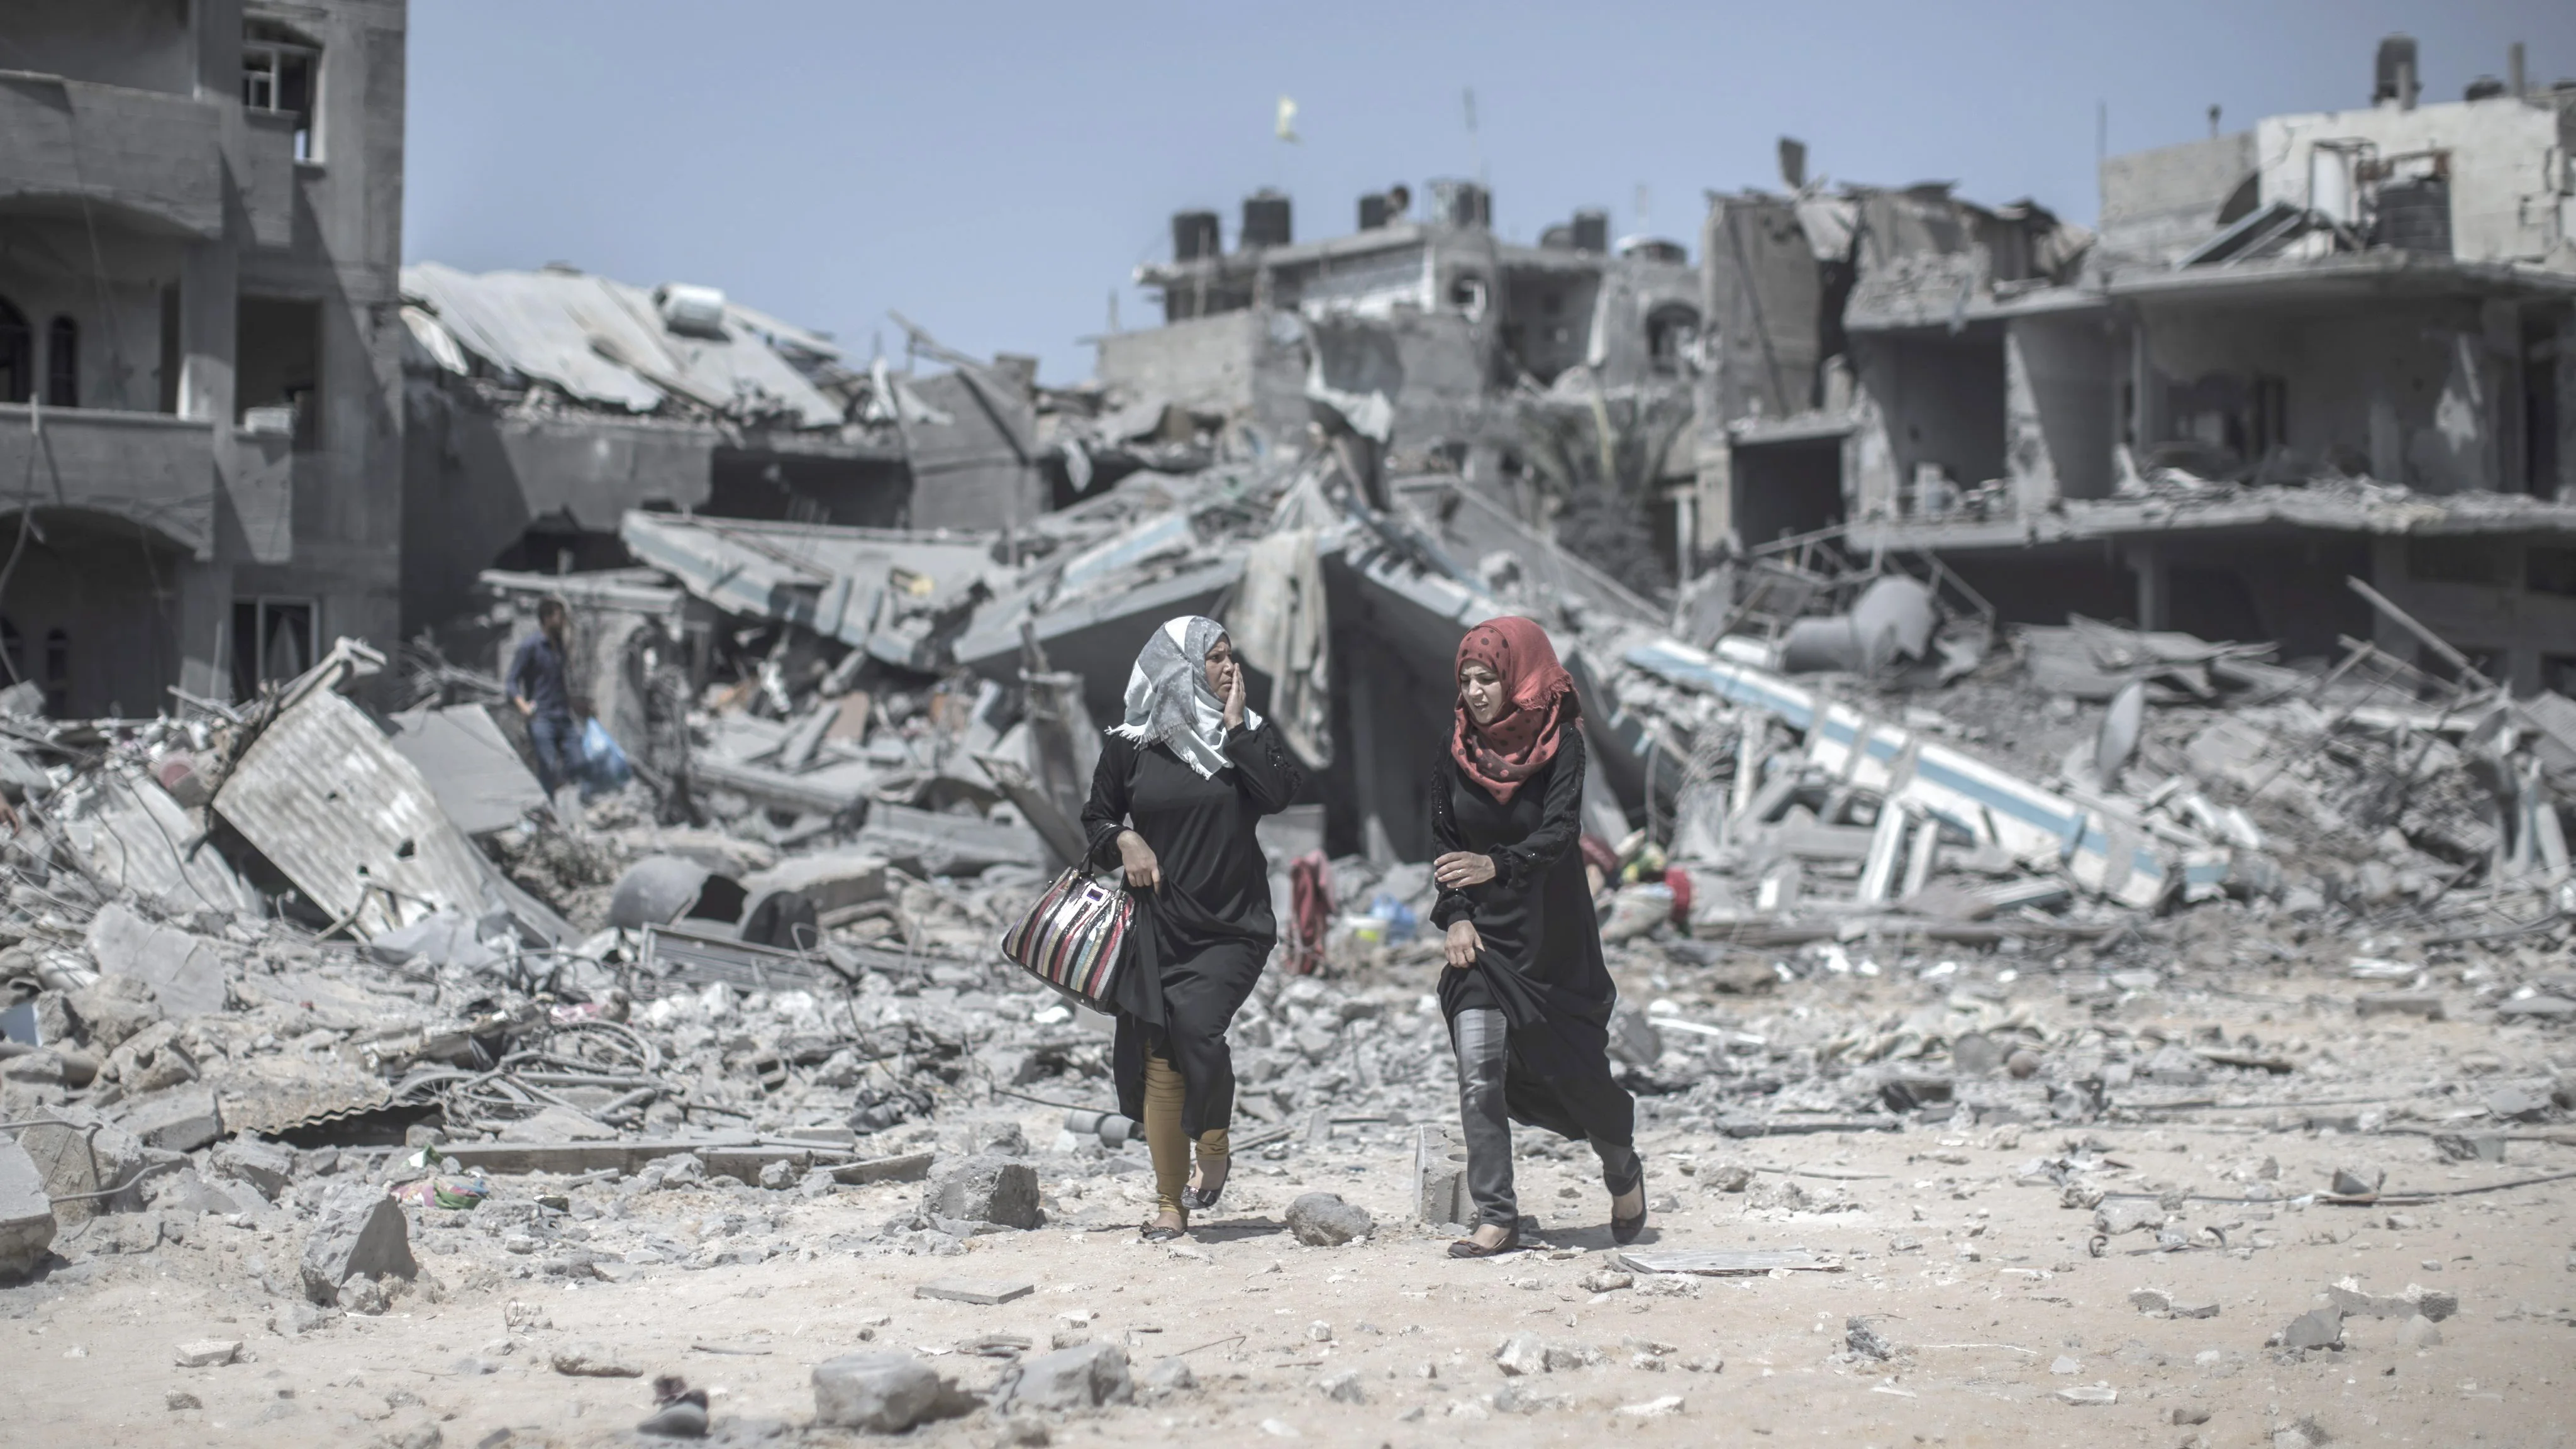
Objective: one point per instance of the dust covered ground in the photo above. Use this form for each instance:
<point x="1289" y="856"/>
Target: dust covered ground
<point x="1975" y="1256"/>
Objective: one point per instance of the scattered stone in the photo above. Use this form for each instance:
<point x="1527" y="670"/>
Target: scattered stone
<point x="1072" y="1378"/>
<point x="1171" y="1375"/>
<point x="987" y="1189"/>
<point x="2066" y="1365"/>
<point x="178" y="1399"/>
<point x="1729" y="1177"/>
<point x="1605" y="1280"/>
<point x="2151" y="1300"/>
<point x="2418" y="1332"/>
<point x="2023" y="1064"/>
<point x="592" y="1361"/>
<point x="984" y="1291"/>
<point x="679" y="1419"/>
<point x="2195" y="1310"/>
<point x="1521" y="1355"/>
<point x="1323" y="1220"/>
<point x="362" y="1233"/>
<point x="2353" y="1301"/>
<point x="2469" y="1147"/>
<point x="2087" y="1394"/>
<point x="1866" y="1341"/>
<point x="207" y="1352"/>
<point x="1662" y="1408"/>
<point x="1976" y="1054"/>
<point x="26" y="1217"/>
<point x="1319" y="1332"/>
<point x="2357" y="1181"/>
<point x="372" y="1297"/>
<point x="1565" y="1357"/>
<point x="1344" y="1388"/>
<point x="2189" y="1414"/>
<point x="882" y="1393"/>
<point x="2317" y="1328"/>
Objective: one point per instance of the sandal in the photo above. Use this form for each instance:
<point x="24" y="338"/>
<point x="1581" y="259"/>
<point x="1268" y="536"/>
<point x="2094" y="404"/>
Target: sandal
<point x="1625" y="1230"/>
<point x="1468" y="1247"/>
<point x="1154" y="1232"/>
<point x="1201" y="1199"/>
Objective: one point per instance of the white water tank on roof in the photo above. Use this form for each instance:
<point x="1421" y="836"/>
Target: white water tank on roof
<point x="698" y="311"/>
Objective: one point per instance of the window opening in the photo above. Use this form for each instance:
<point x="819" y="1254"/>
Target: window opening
<point x="17" y="355"/>
<point x="62" y="364"/>
<point x="279" y="70"/>
<point x="272" y="642"/>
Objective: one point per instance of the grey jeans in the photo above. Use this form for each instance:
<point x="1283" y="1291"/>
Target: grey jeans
<point x="1478" y="1036"/>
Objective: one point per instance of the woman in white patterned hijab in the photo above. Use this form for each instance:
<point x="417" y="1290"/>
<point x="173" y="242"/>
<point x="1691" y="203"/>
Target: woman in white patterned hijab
<point x="1169" y="699"/>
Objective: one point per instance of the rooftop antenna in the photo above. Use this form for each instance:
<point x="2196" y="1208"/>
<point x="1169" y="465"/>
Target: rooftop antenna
<point x="1475" y="144"/>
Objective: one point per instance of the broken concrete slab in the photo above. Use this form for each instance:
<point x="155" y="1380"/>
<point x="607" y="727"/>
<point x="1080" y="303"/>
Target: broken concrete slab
<point x="77" y="1162"/>
<point x="2317" y="1328"/>
<point x="206" y="1352"/>
<point x="1081" y="1377"/>
<point x="1724" y="1264"/>
<point x="176" y="1121"/>
<point x="983" y="1291"/>
<point x="26" y="1219"/>
<point x="2354" y="1301"/>
<point x="833" y="880"/>
<point x="878" y="1393"/>
<point x="932" y="842"/>
<point x="986" y="1189"/>
<point x="185" y="972"/>
<point x="591" y="1361"/>
<point x="361" y="1233"/>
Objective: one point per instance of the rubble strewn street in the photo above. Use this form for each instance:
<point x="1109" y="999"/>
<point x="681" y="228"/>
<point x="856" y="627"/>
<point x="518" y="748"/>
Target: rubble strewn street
<point x="501" y="906"/>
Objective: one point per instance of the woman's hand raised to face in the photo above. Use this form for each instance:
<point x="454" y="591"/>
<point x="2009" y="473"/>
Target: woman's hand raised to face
<point x="1462" y="945"/>
<point x="1460" y="869"/>
<point x="1234" y="694"/>
<point x="1144" y="871"/>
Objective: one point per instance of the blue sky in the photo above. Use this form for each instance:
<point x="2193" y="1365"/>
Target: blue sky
<point x="995" y="172"/>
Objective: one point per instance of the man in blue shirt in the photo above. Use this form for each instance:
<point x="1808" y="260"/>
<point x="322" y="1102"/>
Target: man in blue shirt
<point x="537" y="687"/>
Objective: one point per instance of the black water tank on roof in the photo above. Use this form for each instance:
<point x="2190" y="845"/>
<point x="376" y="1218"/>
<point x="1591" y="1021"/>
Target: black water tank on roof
<point x="1194" y="235"/>
<point x="2415" y="215"/>
<point x="1592" y="231"/>
<point x="1265" y="220"/>
<point x="1373" y="211"/>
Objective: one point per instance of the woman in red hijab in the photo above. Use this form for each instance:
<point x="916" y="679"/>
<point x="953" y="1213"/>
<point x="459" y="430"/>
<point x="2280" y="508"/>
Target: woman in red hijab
<point x="1526" y="994"/>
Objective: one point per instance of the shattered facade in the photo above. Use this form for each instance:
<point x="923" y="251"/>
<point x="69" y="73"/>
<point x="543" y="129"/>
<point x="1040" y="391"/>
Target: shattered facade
<point x="199" y="227"/>
<point x="2328" y="346"/>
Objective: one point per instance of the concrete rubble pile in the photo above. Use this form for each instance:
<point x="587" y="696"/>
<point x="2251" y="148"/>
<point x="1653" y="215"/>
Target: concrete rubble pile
<point x="330" y="969"/>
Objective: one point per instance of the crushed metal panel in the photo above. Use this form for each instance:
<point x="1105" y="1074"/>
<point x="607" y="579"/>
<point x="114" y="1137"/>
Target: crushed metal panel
<point x="470" y="765"/>
<point x="830" y="579"/>
<point x="273" y="1093"/>
<point x="329" y="800"/>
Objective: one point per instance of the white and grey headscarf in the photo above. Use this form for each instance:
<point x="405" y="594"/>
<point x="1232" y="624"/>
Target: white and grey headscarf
<point x="1168" y="699"/>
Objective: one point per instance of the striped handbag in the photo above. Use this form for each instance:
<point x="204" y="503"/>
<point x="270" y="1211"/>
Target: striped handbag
<point x="1072" y="938"/>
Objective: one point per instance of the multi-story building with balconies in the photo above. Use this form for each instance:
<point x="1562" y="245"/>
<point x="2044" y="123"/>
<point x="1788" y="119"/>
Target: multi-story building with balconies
<point x="200" y="385"/>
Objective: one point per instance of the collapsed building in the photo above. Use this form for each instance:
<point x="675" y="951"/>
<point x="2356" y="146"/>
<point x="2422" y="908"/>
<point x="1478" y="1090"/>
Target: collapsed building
<point x="198" y="381"/>
<point x="2334" y="345"/>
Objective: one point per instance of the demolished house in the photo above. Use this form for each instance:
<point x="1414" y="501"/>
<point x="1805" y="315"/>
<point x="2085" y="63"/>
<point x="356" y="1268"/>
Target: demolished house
<point x="1882" y="833"/>
<point x="2330" y="346"/>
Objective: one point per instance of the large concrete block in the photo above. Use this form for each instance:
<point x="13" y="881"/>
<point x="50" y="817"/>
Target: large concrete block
<point x="1072" y="1378"/>
<point x="361" y="1233"/>
<point x="186" y="972"/>
<point x="256" y="1164"/>
<point x="176" y="1121"/>
<point x="882" y="1393"/>
<point x="1323" y="1220"/>
<point x="26" y="1218"/>
<point x="76" y="1160"/>
<point x="986" y="1189"/>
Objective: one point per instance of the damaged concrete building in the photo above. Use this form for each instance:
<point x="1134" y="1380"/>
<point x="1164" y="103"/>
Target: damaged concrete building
<point x="199" y="227"/>
<point x="1431" y="344"/>
<point x="2334" y="345"/>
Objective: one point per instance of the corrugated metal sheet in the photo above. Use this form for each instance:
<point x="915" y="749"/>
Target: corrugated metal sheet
<point x="140" y="840"/>
<point x="823" y="577"/>
<point x="329" y="800"/>
<point x="605" y="342"/>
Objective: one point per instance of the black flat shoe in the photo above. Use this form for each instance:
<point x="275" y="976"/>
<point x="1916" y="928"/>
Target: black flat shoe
<point x="1201" y="1199"/>
<point x="1154" y="1232"/>
<point x="1625" y="1230"/>
<point x="1470" y="1248"/>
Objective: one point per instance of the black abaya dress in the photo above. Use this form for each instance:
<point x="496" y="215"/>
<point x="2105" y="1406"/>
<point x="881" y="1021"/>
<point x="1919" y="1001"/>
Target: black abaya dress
<point x="1202" y="937"/>
<point x="1541" y="965"/>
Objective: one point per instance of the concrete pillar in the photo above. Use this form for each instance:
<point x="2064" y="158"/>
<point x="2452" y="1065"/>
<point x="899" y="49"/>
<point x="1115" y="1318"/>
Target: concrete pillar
<point x="2147" y="563"/>
<point x="2147" y="405"/>
<point x="1714" y="504"/>
<point x="203" y="629"/>
<point x="209" y="314"/>
<point x="2506" y="469"/>
<point x="2567" y="404"/>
